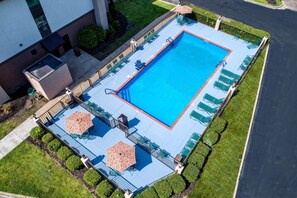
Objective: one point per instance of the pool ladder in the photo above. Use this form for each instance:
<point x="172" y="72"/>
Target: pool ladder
<point x="170" y="40"/>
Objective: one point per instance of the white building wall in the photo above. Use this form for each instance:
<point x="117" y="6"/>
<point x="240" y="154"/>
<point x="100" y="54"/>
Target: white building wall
<point x="61" y="12"/>
<point x="17" y="26"/>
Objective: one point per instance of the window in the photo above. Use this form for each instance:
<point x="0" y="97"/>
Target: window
<point x="39" y="17"/>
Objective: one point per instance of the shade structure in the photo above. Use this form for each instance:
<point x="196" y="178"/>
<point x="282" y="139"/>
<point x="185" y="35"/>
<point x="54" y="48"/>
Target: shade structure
<point x="121" y="156"/>
<point x="183" y="9"/>
<point x="78" y="122"/>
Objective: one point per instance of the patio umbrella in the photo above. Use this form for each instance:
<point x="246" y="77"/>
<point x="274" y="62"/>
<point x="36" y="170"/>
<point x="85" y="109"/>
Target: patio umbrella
<point x="78" y="123"/>
<point x="120" y="156"/>
<point x="183" y="9"/>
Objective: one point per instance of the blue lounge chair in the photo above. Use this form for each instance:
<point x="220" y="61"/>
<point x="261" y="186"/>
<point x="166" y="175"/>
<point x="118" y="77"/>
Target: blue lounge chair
<point x="190" y="144"/>
<point x="207" y="108"/>
<point x="202" y="119"/>
<point x="185" y="152"/>
<point x="163" y="153"/>
<point x="212" y="99"/>
<point x="230" y="74"/>
<point x="242" y="66"/>
<point x="143" y="140"/>
<point x="226" y="80"/>
<point x="221" y="86"/>
<point x="195" y="136"/>
<point x="153" y="145"/>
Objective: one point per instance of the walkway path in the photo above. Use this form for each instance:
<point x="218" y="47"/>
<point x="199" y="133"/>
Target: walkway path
<point x="16" y="136"/>
<point x="270" y="165"/>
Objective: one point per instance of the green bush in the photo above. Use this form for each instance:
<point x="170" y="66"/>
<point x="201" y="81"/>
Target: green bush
<point x="36" y="133"/>
<point x="202" y="149"/>
<point x="117" y="194"/>
<point x="117" y="26"/>
<point x="92" y="177"/>
<point x="100" y="33"/>
<point x="191" y="173"/>
<point x="196" y="159"/>
<point x="64" y="153"/>
<point x="6" y="108"/>
<point x="218" y="125"/>
<point x="104" y="189"/>
<point x="163" y="189"/>
<point x="47" y="138"/>
<point x="54" y="145"/>
<point x="87" y="38"/>
<point x="148" y="193"/>
<point x="110" y="33"/>
<point x="177" y="183"/>
<point x="210" y="137"/>
<point x="73" y="163"/>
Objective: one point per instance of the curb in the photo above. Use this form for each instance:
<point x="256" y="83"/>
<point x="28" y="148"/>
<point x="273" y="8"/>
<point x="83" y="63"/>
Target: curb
<point x="251" y="124"/>
<point x="280" y="7"/>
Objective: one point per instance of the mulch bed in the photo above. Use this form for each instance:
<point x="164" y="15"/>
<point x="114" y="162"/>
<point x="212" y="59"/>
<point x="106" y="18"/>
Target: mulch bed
<point x="78" y="174"/>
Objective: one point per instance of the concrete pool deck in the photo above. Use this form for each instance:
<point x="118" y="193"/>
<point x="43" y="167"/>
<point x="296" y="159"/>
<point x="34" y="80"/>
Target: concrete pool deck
<point x="172" y="140"/>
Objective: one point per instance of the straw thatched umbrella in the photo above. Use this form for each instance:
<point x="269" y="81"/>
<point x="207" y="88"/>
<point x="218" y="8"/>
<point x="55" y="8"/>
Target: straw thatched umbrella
<point x="78" y="123"/>
<point x="120" y="156"/>
<point x="183" y="9"/>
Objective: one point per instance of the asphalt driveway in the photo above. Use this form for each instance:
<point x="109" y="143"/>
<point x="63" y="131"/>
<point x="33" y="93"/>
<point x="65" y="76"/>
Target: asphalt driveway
<point x="270" y="167"/>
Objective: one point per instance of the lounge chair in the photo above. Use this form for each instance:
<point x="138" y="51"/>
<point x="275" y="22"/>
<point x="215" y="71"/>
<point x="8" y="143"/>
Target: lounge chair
<point x="230" y="74"/>
<point x="202" y="119"/>
<point x="163" y="153"/>
<point x="255" y="43"/>
<point x="195" y="136"/>
<point x="236" y="36"/>
<point x="143" y="140"/>
<point x="153" y="145"/>
<point x="190" y="144"/>
<point x="226" y="80"/>
<point x="206" y="108"/>
<point x="221" y="86"/>
<point x="212" y="99"/>
<point x="185" y="152"/>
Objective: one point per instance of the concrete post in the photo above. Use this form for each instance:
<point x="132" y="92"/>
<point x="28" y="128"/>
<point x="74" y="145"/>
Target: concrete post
<point x="264" y="40"/>
<point x="218" y="23"/>
<point x="100" y="13"/>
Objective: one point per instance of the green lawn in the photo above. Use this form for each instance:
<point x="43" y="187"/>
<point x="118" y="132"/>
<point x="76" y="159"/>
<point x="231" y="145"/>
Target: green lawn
<point x="220" y="173"/>
<point x="139" y="13"/>
<point x="278" y="2"/>
<point x="28" y="170"/>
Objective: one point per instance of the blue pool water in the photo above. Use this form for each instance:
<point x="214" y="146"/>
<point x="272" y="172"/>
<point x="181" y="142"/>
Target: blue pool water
<point x="165" y="87"/>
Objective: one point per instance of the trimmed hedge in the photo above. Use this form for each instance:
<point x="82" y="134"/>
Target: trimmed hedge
<point x="87" y="38"/>
<point x="117" y="194"/>
<point x="196" y="159"/>
<point x="54" y="145"/>
<point x="202" y="149"/>
<point x="177" y="183"/>
<point x="64" y="153"/>
<point x="104" y="189"/>
<point x="99" y="31"/>
<point x="92" y="177"/>
<point x="47" y="138"/>
<point x="148" y="193"/>
<point x="163" y="189"/>
<point x="191" y="173"/>
<point x="211" y="137"/>
<point x="218" y="125"/>
<point x="36" y="133"/>
<point x="74" y="163"/>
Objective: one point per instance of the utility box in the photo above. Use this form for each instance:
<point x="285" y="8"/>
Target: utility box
<point x="49" y="76"/>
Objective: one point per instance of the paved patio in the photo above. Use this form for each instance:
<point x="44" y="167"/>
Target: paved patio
<point x="148" y="169"/>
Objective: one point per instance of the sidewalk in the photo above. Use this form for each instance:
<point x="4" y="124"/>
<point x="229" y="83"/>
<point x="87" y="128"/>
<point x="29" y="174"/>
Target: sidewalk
<point x="16" y="136"/>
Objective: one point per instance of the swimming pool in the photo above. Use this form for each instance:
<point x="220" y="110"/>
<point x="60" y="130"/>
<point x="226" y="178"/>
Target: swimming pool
<point x="165" y="87"/>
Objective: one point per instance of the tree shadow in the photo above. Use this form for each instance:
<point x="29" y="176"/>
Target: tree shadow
<point x="100" y="128"/>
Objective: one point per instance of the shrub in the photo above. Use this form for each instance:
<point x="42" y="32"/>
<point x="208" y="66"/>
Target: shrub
<point x="191" y="173"/>
<point x="87" y="38"/>
<point x="163" y="189"/>
<point x="36" y="133"/>
<point x="6" y="108"/>
<point x="64" y="153"/>
<point x="110" y="33"/>
<point x="54" y="145"/>
<point x="211" y="137"/>
<point x="202" y="149"/>
<point x="104" y="189"/>
<point x="117" y="27"/>
<point x="100" y="33"/>
<point x="148" y="193"/>
<point x="218" y="125"/>
<point x="177" y="183"/>
<point x="196" y="159"/>
<point x="117" y="194"/>
<point x="92" y="177"/>
<point x="47" y="138"/>
<point x="73" y="163"/>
